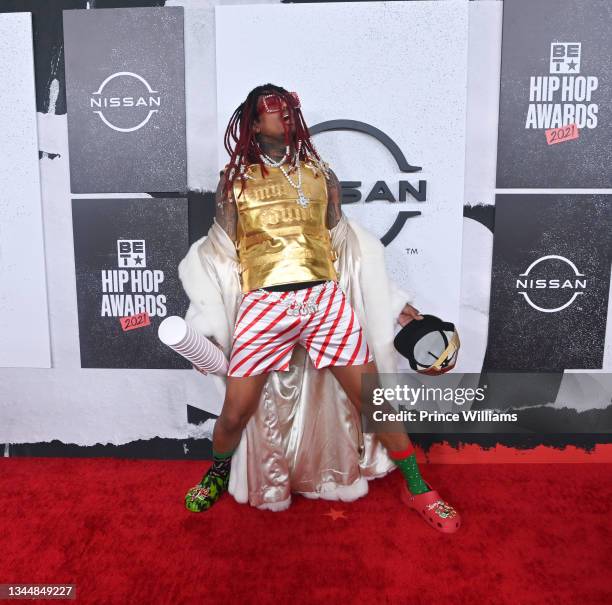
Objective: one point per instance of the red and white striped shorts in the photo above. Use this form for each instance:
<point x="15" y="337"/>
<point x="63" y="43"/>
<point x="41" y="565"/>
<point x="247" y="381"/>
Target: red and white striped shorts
<point x="269" y="324"/>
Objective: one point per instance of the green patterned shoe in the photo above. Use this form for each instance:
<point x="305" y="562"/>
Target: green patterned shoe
<point x="203" y="495"/>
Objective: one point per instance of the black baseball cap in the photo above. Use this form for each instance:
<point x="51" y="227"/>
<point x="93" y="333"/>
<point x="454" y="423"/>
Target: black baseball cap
<point x="430" y="344"/>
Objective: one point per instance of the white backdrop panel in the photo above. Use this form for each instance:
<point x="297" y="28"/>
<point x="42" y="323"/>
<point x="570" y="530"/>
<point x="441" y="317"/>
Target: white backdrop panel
<point x="24" y="317"/>
<point x="401" y="67"/>
<point x="484" y="60"/>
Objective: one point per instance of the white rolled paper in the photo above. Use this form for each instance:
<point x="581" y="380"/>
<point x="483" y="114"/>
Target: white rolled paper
<point x="175" y="332"/>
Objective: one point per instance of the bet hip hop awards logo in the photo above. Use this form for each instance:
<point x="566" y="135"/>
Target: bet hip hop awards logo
<point x="132" y="288"/>
<point x="565" y="97"/>
<point x="565" y="57"/>
<point x="131" y="253"/>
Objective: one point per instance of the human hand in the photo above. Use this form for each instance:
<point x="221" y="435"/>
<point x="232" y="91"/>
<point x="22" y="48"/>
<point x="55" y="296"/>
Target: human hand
<point x="407" y="314"/>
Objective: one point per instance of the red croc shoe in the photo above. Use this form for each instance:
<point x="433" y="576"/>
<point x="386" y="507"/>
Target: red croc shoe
<point x="439" y="514"/>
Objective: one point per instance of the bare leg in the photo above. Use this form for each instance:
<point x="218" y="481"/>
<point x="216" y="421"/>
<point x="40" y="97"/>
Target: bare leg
<point x="349" y="378"/>
<point x="427" y="502"/>
<point x="241" y="400"/>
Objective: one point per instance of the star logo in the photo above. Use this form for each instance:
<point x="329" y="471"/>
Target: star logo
<point x="335" y="514"/>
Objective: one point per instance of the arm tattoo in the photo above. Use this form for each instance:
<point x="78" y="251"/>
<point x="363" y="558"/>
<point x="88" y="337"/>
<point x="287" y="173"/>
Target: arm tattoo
<point x="225" y="209"/>
<point x="334" y="201"/>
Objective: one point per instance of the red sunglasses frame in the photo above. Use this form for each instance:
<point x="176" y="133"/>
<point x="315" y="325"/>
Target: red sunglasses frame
<point x="272" y="103"/>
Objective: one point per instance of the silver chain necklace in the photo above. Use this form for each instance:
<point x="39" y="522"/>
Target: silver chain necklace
<point x="268" y="161"/>
<point x="302" y="200"/>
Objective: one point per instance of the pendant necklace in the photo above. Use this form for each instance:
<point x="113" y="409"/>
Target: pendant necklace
<point x="302" y="200"/>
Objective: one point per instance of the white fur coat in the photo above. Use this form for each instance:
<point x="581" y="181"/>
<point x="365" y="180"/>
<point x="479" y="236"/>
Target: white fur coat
<point x="306" y="436"/>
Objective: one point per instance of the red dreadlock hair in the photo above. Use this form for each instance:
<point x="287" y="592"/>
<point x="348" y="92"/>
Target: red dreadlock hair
<point x="241" y="144"/>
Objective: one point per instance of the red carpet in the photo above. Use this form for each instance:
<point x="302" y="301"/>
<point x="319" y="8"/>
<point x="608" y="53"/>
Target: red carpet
<point x="532" y="533"/>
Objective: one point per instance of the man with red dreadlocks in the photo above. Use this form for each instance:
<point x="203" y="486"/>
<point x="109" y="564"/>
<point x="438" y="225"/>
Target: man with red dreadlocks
<point x="277" y="201"/>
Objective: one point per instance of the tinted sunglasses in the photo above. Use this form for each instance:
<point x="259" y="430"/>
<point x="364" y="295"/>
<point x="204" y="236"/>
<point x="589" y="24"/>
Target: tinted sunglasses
<point x="273" y="102"/>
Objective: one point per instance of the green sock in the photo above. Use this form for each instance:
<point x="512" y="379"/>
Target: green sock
<point x="214" y="483"/>
<point x="222" y="456"/>
<point x="407" y="464"/>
